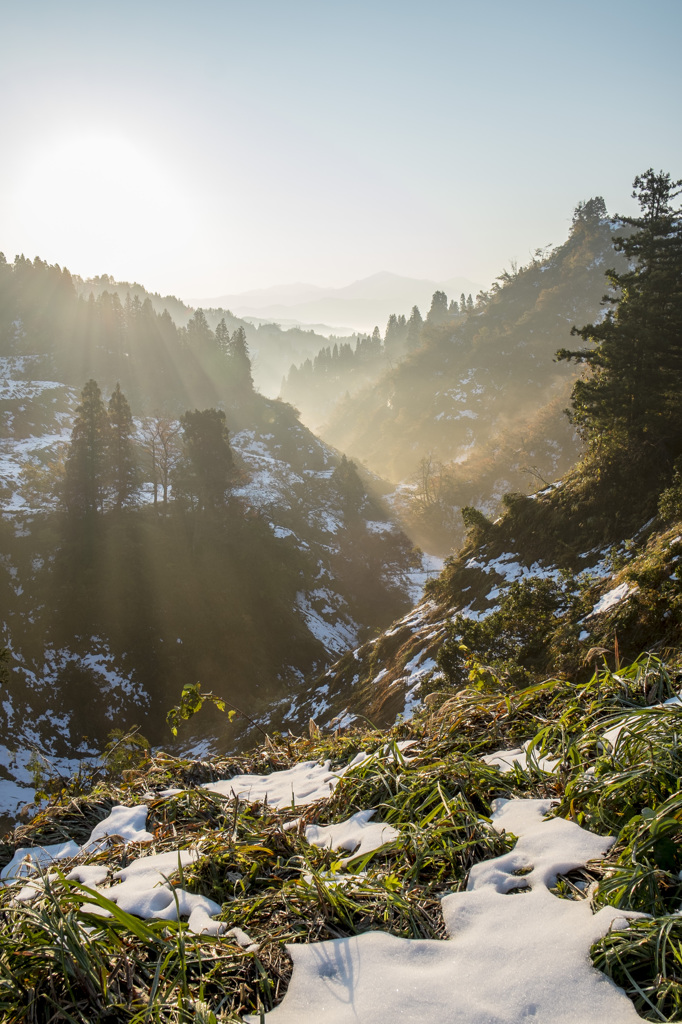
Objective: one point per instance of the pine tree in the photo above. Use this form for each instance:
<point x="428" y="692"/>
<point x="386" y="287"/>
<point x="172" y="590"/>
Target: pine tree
<point x="85" y="478"/>
<point x="633" y="394"/>
<point x="438" y="314"/>
<point x="204" y="473"/>
<point x="348" y="484"/>
<point x="222" y="337"/>
<point x="240" y="362"/>
<point x="199" y="334"/>
<point x="121" y="449"/>
<point x="414" y="329"/>
<point x="391" y="336"/>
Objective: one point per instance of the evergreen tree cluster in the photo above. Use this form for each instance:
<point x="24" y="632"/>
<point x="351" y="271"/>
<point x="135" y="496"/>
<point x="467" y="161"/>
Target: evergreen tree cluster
<point x="108" y="459"/>
<point x="482" y="375"/>
<point x="101" y="467"/>
<point x="44" y="314"/>
<point x="630" y="402"/>
<point x="339" y="369"/>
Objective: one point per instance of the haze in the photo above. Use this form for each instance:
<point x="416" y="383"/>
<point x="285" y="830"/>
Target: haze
<point x="217" y="147"/>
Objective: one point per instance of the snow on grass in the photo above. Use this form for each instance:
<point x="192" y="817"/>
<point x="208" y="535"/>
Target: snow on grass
<point x="505" y="760"/>
<point x="120" y="687"/>
<point x="271" y="480"/>
<point x="509" y="958"/>
<point x="303" y="784"/>
<point x="630" y="721"/>
<point x="343" y="719"/>
<point x="281" y="531"/>
<point x="143" y="889"/>
<point x="416" y="671"/>
<point x="36" y="733"/>
<point x="14" y="795"/>
<point x="357" y="834"/>
<point x="128" y="823"/>
<point x="413" y="620"/>
<point x="507" y="569"/>
<point x="25" y="390"/>
<point x="515" y="950"/>
<point x="323" y="520"/>
<point x="611" y="598"/>
<point x="28" y="860"/>
<point x="29" y="863"/>
<point x="416" y="578"/>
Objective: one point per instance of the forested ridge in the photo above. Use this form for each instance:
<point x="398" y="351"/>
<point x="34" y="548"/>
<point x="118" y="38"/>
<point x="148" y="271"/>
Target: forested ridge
<point x="521" y="590"/>
<point x="474" y="407"/>
<point x="118" y="331"/>
<point x="163" y="520"/>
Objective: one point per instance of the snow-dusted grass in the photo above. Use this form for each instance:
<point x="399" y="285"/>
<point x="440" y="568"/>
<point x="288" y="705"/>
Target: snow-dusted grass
<point x="482" y="907"/>
<point x="302" y="784"/>
<point x="508" y="958"/>
<point x="358" y="835"/>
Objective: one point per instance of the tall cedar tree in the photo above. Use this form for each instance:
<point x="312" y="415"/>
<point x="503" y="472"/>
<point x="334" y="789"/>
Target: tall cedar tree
<point x="199" y="334"/>
<point x="414" y="329"/>
<point x="438" y="314"/>
<point x="122" y="461"/>
<point x="222" y="337"/>
<point x="240" y="364"/>
<point x="206" y="469"/>
<point x="85" y="481"/>
<point x="633" y="394"/>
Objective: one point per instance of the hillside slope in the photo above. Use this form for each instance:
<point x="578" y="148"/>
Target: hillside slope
<point x="106" y="620"/>
<point x="354" y="876"/>
<point x="118" y="331"/>
<point x="564" y="579"/>
<point x="482" y="401"/>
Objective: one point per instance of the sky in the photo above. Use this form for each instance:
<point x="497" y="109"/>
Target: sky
<point x="214" y="147"/>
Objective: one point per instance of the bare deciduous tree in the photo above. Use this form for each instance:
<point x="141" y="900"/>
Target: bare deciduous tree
<point x="160" y="443"/>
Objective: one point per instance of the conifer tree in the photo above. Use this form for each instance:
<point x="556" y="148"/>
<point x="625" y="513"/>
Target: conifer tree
<point x="633" y="394"/>
<point x="438" y="313"/>
<point x="240" y="362"/>
<point x="199" y="334"/>
<point x="414" y="329"/>
<point x="204" y="473"/>
<point x="121" y="449"/>
<point x="85" y="481"/>
<point x="222" y="337"/>
<point x="392" y="335"/>
<point x="350" y="487"/>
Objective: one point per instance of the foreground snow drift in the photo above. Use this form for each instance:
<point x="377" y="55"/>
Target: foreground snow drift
<point x="510" y="958"/>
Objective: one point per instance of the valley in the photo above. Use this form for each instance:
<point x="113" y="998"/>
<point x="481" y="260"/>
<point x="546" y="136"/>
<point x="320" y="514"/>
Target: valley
<point x="225" y="658"/>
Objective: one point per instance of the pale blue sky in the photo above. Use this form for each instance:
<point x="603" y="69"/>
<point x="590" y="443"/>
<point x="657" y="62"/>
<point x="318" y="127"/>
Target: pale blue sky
<point x="216" y="146"/>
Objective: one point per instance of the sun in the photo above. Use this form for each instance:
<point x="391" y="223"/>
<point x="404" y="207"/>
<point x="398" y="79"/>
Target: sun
<point x="99" y="197"/>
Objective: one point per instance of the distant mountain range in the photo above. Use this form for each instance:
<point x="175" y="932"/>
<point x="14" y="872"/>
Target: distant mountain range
<point x="358" y="306"/>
